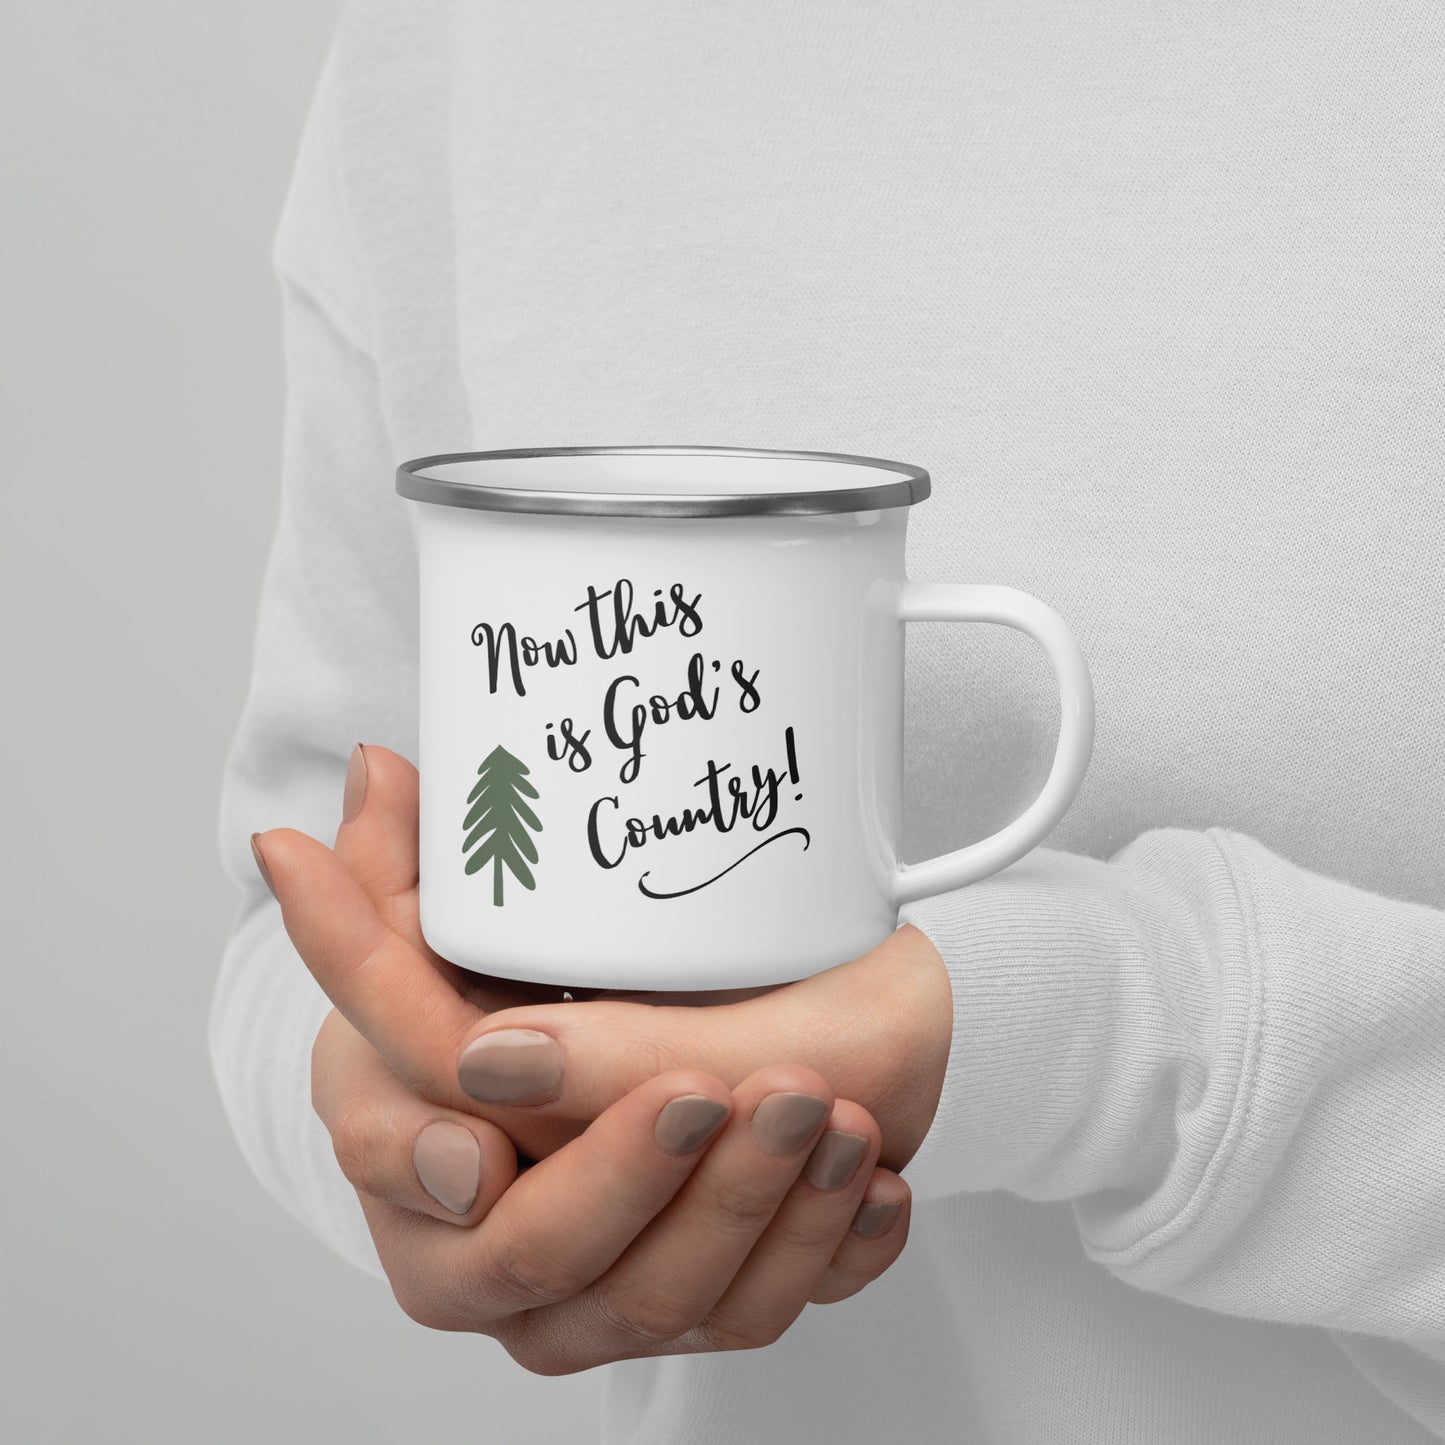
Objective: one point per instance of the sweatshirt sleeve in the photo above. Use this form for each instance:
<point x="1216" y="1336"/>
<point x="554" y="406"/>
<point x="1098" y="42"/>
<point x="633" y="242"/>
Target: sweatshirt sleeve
<point x="334" y="664"/>
<point x="1234" y="1070"/>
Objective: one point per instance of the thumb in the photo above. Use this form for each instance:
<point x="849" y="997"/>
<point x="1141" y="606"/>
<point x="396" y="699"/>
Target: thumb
<point x="857" y="1025"/>
<point x="377" y="841"/>
<point x="574" y="1060"/>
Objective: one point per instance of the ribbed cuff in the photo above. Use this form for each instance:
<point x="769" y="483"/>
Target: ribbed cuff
<point x="1083" y="1000"/>
<point x="1031" y="957"/>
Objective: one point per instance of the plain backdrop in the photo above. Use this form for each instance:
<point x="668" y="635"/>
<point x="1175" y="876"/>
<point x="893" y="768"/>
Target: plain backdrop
<point x="151" y="1290"/>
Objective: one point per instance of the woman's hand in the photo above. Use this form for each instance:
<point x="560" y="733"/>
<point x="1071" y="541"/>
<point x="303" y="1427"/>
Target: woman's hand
<point x="619" y="1244"/>
<point x="878" y="1028"/>
<point x="662" y="1229"/>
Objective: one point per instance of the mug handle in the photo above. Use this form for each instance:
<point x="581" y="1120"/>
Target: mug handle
<point x="943" y="602"/>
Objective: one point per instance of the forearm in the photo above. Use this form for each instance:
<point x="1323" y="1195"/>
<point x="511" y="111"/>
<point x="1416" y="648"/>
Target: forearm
<point x="334" y="664"/>
<point x="264" y="1016"/>
<point x="1232" y="1067"/>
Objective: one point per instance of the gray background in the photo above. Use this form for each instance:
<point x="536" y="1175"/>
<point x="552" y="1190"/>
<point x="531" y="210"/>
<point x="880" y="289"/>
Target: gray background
<point x="151" y="1290"/>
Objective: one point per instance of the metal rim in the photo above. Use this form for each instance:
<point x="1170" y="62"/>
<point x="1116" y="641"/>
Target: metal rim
<point x="909" y="484"/>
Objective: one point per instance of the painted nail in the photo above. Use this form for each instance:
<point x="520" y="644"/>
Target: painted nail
<point x="355" y="794"/>
<point x="785" y="1122"/>
<point x="449" y="1164"/>
<point x="873" y="1219"/>
<point x="684" y="1123"/>
<point x="511" y="1066"/>
<point x="835" y="1159"/>
<point x="261" y="864"/>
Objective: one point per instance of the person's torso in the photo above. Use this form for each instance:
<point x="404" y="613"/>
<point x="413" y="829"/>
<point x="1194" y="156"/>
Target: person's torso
<point x="1156" y="297"/>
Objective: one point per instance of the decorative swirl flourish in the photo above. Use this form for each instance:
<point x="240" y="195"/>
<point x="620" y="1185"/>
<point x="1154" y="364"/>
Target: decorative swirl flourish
<point x="681" y="892"/>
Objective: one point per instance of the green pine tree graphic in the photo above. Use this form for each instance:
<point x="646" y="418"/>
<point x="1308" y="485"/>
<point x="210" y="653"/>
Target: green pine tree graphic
<point x="498" y="811"/>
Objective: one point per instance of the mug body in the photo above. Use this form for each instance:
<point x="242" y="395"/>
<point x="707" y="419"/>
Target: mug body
<point x="658" y="751"/>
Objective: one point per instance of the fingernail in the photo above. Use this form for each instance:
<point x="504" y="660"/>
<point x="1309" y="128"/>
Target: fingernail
<point x="873" y="1219"/>
<point x="785" y="1122"/>
<point x="261" y="864"/>
<point x="835" y="1159"/>
<point x="449" y="1164"/>
<point x="511" y="1066"/>
<point x="355" y="794"/>
<point x="684" y="1123"/>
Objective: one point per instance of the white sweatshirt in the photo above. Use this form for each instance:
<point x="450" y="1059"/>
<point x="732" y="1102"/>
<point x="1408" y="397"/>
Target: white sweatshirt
<point x="1155" y="293"/>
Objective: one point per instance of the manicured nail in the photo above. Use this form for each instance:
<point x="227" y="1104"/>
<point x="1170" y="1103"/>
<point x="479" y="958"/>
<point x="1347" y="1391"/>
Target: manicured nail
<point x="684" y="1123"/>
<point x="835" y="1159"/>
<point x="785" y="1122"/>
<point x="511" y="1066"/>
<point x="873" y="1219"/>
<point x="261" y="864"/>
<point x="449" y="1164"/>
<point x="355" y="794"/>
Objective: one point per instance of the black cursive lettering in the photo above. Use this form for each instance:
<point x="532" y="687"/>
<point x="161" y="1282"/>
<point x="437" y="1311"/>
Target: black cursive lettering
<point x="595" y="843"/>
<point x="503" y="645"/>
<point x="682" y="892"/>
<point x="616" y="628"/>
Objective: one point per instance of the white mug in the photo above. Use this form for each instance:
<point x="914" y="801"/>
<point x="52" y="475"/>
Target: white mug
<point x="661" y="712"/>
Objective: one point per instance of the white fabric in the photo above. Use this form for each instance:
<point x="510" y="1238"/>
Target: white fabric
<point x="1155" y="293"/>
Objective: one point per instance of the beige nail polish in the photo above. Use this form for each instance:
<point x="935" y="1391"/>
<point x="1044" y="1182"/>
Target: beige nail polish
<point x="835" y="1159"/>
<point x="873" y="1219"/>
<point x="784" y="1122"/>
<point x="511" y="1066"/>
<point x="261" y="867"/>
<point x="448" y="1162"/>
<point x="355" y="794"/>
<point x="684" y="1123"/>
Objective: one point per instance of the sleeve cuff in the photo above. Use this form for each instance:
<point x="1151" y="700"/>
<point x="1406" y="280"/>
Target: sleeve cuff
<point x="1087" y="1007"/>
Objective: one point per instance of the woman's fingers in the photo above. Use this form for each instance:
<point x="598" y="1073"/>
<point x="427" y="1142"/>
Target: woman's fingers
<point x="807" y="1240"/>
<point x="686" y="1218"/>
<point x="731" y="1262"/>
<point x="565" y="1220"/>
<point x="377" y="839"/>
<point x="378" y="842"/>
<point x="875" y="1239"/>
<point x="388" y="991"/>
<point x="395" y="1147"/>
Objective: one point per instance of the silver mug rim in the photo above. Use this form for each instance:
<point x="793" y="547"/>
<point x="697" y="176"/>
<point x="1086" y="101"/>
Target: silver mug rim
<point x="910" y="484"/>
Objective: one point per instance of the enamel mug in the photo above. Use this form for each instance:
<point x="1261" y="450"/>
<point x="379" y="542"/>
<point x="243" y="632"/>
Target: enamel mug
<point x="661" y="712"/>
